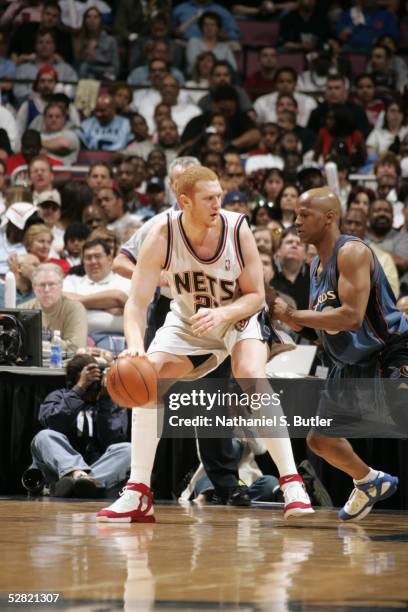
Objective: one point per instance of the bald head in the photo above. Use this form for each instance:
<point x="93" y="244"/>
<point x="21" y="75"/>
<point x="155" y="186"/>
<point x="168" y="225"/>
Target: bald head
<point x="104" y="109"/>
<point x="322" y="199"/>
<point x="318" y="214"/>
<point x="402" y="304"/>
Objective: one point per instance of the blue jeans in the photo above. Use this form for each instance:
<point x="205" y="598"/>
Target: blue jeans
<point x="53" y="454"/>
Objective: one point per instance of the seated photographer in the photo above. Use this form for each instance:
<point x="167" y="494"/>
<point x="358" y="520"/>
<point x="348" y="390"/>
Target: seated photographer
<point x="58" y="312"/>
<point x="83" y="449"/>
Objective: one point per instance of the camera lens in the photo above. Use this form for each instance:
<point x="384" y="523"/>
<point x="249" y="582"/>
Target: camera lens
<point x="33" y="481"/>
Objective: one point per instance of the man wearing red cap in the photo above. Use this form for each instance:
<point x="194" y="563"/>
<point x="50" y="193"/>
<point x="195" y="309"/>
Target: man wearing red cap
<point x="45" y="47"/>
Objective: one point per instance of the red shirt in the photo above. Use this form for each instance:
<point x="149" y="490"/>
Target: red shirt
<point x="351" y="141"/>
<point x="14" y="161"/>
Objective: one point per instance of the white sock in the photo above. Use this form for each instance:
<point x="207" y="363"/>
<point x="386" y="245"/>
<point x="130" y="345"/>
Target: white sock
<point x="144" y="444"/>
<point x="370" y="476"/>
<point x="280" y="449"/>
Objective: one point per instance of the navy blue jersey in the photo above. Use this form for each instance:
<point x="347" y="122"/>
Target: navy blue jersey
<point x="382" y="323"/>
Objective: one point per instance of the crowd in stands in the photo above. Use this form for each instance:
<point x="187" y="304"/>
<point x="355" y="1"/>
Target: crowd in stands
<point x="99" y="98"/>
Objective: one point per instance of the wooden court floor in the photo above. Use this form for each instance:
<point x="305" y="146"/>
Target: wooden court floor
<point x="201" y="558"/>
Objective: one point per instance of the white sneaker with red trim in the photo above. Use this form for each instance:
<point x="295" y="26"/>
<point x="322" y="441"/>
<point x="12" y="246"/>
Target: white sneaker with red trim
<point x="135" y="505"/>
<point x="297" y="501"/>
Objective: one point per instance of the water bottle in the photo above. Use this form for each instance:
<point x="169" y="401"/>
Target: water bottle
<point x="10" y="290"/>
<point x="56" y="350"/>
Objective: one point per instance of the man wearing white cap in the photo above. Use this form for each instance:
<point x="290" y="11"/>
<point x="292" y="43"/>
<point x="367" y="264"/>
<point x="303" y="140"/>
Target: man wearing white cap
<point x="13" y="225"/>
<point x="49" y="209"/>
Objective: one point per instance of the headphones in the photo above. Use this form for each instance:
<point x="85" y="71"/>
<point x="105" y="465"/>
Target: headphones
<point x="12" y="334"/>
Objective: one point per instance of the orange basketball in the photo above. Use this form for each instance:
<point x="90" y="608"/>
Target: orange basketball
<point x="132" y="381"/>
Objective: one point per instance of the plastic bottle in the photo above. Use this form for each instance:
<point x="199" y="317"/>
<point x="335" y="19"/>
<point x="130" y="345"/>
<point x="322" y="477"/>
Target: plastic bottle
<point x="10" y="290"/>
<point x="56" y="350"/>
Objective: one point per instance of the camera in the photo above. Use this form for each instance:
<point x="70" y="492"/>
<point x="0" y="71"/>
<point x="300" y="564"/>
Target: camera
<point x="95" y="388"/>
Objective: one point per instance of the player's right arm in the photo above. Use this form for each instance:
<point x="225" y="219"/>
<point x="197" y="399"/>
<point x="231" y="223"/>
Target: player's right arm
<point x="145" y="279"/>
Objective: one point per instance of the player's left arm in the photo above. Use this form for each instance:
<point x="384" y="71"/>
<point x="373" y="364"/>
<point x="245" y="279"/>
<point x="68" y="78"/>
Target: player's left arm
<point x="354" y="266"/>
<point x="250" y="283"/>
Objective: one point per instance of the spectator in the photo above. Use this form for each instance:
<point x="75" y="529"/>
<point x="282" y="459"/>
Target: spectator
<point x="41" y="176"/>
<point x="210" y="24"/>
<point x="96" y="51"/>
<point x="57" y="138"/>
<point x="365" y="96"/>
<point x="264" y="240"/>
<point x="122" y="95"/>
<point x="360" y="26"/>
<point x="101" y="291"/>
<point x="291" y="270"/>
<point x="75" y="196"/>
<point x="200" y="76"/>
<point x="14" y="224"/>
<point x="133" y="16"/>
<point x="361" y="198"/>
<point x="267" y="154"/>
<point x="10" y="137"/>
<point x="38" y="240"/>
<point x="336" y="93"/>
<point x="142" y="143"/>
<point x="321" y="64"/>
<point x="150" y="74"/>
<point x="236" y="201"/>
<point x="242" y="132"/>
<point x="21" y="11"/>
<point x="222" y="74"/>
<point x="156" y="164"/>
<point x="45" y="54"/>
<point x="49" y="209"/>
<point x="181" y="111"/>
<point x="156" y="196"/>
<point x="111" y="201"/>
<point x="382" y="234"/>
<point x="262" y="215"/>
<point x="93" y="216"/>
<point x="354" y="223"/>
<point x="287" y="121"/>
<point x="58" y="312"/>
<point x="109" y="236"/>
<point x="131" y="175"/>
<point x="30" y="149"/>
<point x="285" y="82"/>
<point x="22" y="40"/>
<point x="391" y="130"/>
<point x="30" y="113"/>
<point x="168" y="139"/>
<point x="340" y="136"/>
<point x="387" y="171"/>
<point x="262" y="81"/>
<point x="157" y="31"/>
<point x="84" y="447"/>
<point x="384" y="77"/>
<point x="186" y="15"/>
<point x="23" y="267"/>
<point x="285" y="205"/>
<point x="3" y="186"/>
<point x="304" y="29"/>
<point x="105" y="131"/>
<point x="397" y="64"/>
<point x="99" y="175"/>
<point x="272" y="185"/>
<point x="72" y="11"/>
<point x="75" y="237"/>
<point x="7" y="69"/>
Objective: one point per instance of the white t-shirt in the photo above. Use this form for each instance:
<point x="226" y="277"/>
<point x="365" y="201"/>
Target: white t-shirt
<point x="265" y="107"/>
<point x="99" y="320"/>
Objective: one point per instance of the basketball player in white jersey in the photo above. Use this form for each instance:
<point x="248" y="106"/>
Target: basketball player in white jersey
<point x="215" y="275"/>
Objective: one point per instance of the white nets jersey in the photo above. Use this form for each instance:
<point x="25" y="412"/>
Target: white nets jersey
<point x="197" y="282"/>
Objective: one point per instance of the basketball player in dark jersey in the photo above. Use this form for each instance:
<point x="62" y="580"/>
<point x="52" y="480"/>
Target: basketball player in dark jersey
<point x="352" y="309"/>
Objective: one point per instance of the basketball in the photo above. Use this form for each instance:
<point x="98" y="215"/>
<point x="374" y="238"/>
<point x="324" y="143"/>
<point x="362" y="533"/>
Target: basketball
<point x="132" y="381"/>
